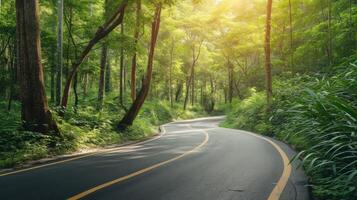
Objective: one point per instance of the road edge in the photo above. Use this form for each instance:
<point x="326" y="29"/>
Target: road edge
<point x="36" y="164"/>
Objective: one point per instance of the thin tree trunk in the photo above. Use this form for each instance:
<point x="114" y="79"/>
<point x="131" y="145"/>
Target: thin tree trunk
<point x="101" y="85"/>
<point x="59" y="52"/>
<point x="139" y="101"/>
<point x="268" y="75"/>
<point x="35" y="113"/>
<point x="178" y="91"/>
<point x="170" y="74"/>
<point x="108" y="74"/>
<point x="189" y="82"/>
<point x="134" y="60"/>
<point x="102" y="32"/>
<point x="121" y="70"/>
<point x="75" y="83"/>
<point x="291" y="37"/>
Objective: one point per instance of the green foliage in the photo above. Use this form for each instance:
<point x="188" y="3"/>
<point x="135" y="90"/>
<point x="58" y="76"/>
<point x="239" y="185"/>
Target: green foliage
<point x="249" y="114"/>
<point x="316" y="116"/>
<point x="81" y="129"/>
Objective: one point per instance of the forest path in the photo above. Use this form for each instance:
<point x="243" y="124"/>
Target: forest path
<point x="193" y="159"/>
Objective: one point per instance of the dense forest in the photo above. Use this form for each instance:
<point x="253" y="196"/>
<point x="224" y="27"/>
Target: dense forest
<point x="79" y="74"/>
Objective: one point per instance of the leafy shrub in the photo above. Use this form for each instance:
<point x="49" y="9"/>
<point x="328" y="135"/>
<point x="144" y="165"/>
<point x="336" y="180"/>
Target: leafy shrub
<point x="319" y="117"/>
<point x="249" y="114"/>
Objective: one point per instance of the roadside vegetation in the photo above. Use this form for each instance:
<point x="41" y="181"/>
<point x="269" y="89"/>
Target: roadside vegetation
<point x="79" y="74"/>
<point x="84" y="129"/>
<point x="314" y="100"/>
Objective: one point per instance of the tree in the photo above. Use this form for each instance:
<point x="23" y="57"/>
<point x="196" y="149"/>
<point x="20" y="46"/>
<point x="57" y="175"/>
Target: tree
<point x="268" y="75"/>
<point x="59" y="52"/>
<point x="103" y="31"/>
<point x="134" y="60"/>
<point x="130" y="116"/>
<point x="35" y="113"/>
<point x="101" y="85"/>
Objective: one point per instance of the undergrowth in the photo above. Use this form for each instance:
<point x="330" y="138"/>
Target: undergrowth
<point x="318" y="116"/>
<point x="81" y="129"/>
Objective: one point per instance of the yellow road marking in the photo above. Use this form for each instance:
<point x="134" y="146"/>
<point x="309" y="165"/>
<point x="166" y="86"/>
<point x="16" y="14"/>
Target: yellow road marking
<point x="107" y="184"/>
<point x="279" y="187"/>
<point x="84" y="156"/>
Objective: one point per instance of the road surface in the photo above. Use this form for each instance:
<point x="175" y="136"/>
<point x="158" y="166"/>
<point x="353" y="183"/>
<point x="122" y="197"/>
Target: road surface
<point x="190" y="160"/>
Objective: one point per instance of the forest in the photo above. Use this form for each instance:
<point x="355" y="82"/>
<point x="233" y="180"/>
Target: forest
<point x="82" y="74"/>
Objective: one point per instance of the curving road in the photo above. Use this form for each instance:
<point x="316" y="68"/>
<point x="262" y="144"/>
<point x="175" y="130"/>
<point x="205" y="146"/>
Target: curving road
<point x="190" y="160"/>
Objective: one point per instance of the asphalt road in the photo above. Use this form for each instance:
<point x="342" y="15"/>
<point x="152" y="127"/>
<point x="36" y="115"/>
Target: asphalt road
<point x="190" y="160"/>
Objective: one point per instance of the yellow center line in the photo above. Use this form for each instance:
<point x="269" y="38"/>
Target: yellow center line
<point x="118" y="180"/>
<point x="279" y="187"/>
<point x="84" y="156"/>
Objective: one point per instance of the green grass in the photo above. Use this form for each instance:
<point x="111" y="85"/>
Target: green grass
<point x="83" y="129"/>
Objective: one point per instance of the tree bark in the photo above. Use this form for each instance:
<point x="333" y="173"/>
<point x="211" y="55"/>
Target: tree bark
<point x="35" y="113"/>
<point x="121" y="70"/>
<point x="134" y="60"/>
<point x="170" y="74"/>
<point x="108" y="74"/>
<point x="103" y="31"/>
<point x="59" y="52"/>
<point x="130" y="116"/>
<point x="268" y="75"/>
<point x="101" y="85"/>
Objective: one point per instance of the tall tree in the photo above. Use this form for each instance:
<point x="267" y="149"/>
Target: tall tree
<point x="130" y="116"/>
<point x="121" y="69"/>
<point x="108" y="74"/>
<point x="134" y="60"/>
<point x="195" y="56"/>
<point x="59" y="52"/>
<point x="35" y="113"/>
<point x="101" y="85"/>
<point x="268" y="75"/>
<point x="103" y="64"/>
<point x="103" y="31"/>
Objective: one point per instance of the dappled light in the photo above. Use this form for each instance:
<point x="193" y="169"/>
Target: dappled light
<point x="178" y="99"/>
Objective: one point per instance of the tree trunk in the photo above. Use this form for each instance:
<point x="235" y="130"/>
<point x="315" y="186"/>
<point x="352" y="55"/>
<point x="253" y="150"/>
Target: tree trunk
<point x="268" y="75"/>
<point x="130" y="116"/>
<point x="35" y="113"/>
<point x="101" y="85"/>
<point x="102" y="32"/>
<point x="170" y="73"/>
<point x="178" y="91"/>
<point x="121" y="70"/>
<point x="134" y="60"/>
<point x="190" y="79"/>
<point x="291" y="37"/>
<point x="108" y="74"/>
<point x="59" y="52"/>
<point x="188" y="83"/>
<point x="75" y="83"/>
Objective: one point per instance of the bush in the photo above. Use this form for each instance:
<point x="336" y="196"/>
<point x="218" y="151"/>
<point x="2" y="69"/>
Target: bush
<point x="317" y="116"/>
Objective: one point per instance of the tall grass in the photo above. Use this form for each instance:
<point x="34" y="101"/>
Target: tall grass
<point x="318" y="116"/>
